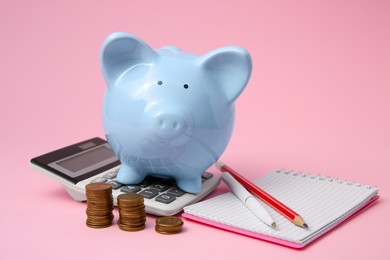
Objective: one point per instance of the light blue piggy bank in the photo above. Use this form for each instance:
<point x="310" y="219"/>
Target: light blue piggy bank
<point x="166" y="112"/>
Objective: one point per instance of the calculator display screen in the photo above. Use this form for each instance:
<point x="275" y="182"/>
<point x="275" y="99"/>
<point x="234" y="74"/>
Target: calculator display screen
<point x="79" y="161"/>
<point x="85" y="163"/>
<point x="84" y="160"/>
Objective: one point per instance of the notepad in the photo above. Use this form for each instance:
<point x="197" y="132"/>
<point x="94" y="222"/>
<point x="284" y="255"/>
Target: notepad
<point x="323" y="202"/>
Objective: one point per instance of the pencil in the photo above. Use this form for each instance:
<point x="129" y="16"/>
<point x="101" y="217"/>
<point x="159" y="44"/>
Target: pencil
<point x="267" y="198"/>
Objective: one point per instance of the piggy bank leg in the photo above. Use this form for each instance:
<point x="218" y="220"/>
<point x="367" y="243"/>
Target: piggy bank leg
<point x="128" y="175"/>
<point x="191" y="185"/>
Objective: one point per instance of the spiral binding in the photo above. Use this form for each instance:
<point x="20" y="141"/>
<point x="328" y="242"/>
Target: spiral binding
<point x="326" y="178"/>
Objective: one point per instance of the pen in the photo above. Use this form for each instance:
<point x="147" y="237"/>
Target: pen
<point x="277" y="205"/>
<point x="254" y="206"/>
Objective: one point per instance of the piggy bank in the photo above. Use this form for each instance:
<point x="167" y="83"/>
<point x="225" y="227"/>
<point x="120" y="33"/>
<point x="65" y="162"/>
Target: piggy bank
<point x="167" y="112"/>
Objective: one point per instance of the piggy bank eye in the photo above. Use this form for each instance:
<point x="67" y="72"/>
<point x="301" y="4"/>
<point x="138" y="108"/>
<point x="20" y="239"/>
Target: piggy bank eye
<point x="185" y="86"/>
<point x="159" y="82"/>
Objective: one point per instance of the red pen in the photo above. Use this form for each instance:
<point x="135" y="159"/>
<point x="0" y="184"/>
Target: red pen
<point x="277" y="205"/>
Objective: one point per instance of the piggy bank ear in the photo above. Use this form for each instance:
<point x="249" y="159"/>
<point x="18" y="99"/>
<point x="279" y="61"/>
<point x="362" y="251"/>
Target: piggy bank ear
<point x="122" y="51"/>
<point x="229" y="69"/>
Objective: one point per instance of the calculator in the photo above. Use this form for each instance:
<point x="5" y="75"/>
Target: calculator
<point x="92" y="160"/>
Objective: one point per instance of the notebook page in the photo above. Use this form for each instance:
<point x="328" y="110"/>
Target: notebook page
<point x="321" y="201"/>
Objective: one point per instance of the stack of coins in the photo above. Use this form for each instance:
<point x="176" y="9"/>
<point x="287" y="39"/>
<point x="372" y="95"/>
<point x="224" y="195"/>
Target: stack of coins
<point x="168" y="225"/>
<point x="132" y="216"/>
<point x="99" y="205"/>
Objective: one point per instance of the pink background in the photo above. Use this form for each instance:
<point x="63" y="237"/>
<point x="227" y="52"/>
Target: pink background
<point x="318" y="101"/>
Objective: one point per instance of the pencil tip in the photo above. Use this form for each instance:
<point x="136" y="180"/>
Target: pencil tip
<point x="300" y="222"/>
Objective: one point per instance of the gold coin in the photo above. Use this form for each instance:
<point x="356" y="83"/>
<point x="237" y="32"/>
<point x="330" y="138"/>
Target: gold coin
<point x="169" y="229"/>
<point x="132" y="211"/>
<point x="98" y="226"/>
<point x="130" y="228"/>
<point x="99" y="223"/>
<point x="100" y="197"/>
<point x="131" y="218"/>
<point x="134" y="225"/>
<point x="131" y="207"/>
<point x="133" y="221"/>
<point x="97" y="217"/>
<point x="99" y="205"/>
<point x="168" y="225"/>
<point x="91" y="205"/>
<point x="101" y="200"/>
<point x="98" y="212"/>
<point x="169" y="221"/>
<point x="103" y="208"/>
<point x="98" y="186"/>
<point x="130" y="198"/>
<point x="167" y="233"/>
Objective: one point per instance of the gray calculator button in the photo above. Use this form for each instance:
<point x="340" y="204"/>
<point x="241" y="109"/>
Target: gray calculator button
<point x="159" y="186"/>
<point x="115" y="185"/>
<point x="207" y="175"/>
<point x="100" y="179"/>
<point x="165" y="198"/>
<point x="131" y="189"/>
<point x="110" y="175"/>
<point x="145" y="183"/>
<point x="149" y="193"/>
<point x="176" y="191"/>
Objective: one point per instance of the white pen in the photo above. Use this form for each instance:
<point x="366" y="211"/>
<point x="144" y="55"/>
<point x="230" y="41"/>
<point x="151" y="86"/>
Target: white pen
<point x="257" y="209"/>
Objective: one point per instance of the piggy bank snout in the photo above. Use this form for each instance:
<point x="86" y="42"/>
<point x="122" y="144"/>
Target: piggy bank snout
<point x="169" y="125"/>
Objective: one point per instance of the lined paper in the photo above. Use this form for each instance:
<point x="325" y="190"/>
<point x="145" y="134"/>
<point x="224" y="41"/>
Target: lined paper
<point x="322" y="202"/>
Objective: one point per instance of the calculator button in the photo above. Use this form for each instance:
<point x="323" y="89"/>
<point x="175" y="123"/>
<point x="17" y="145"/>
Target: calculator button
<point x="131" y="188"/>
<point x="165" y="198"/>
<point x="145" y="183"/>
<point x="176" y="191"/>
<point x="115" y="185"/>
<point x="159" y="186"/>
<point x="168" y="181"/>
<point x="110" y="175"/>
<point x="149" y="193"/>
<point x="100" y="179"/>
